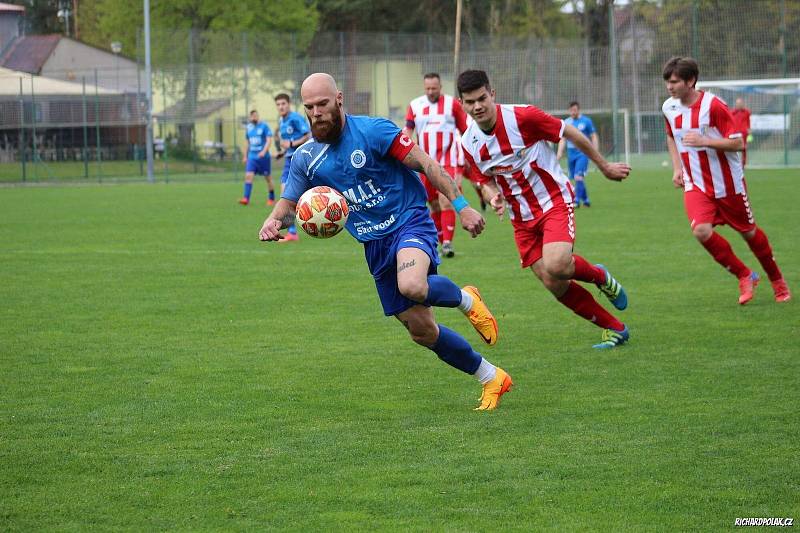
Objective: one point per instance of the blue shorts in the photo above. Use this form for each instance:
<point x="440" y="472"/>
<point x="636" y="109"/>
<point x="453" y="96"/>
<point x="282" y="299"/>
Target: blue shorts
<point x="417" y="232"/>
<point x="578" y="165"/>
<point x="258" y="165"/>
<point x="287" y="163"/>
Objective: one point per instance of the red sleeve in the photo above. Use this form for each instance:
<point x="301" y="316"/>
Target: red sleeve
<point x="536" y="125"/>
<point x="746" y="120"/>
<point x="473" y="173"/>
<point x="667" y="127"/>
<point x="400" y="147"/>
<point x="460" y="116"/>
<point x="410" y="124"/>
<point x="720" y="118"/>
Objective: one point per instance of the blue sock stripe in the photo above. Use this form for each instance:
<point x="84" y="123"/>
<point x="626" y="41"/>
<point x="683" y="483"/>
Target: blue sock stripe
<point x="442" y="292"/>
<point x="454" y="350"/>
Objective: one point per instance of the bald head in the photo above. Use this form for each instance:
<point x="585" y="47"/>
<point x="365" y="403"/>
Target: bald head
<point x="739" y="103"/>
<point x="319" y="84"/>
<point x="324" y="105"/>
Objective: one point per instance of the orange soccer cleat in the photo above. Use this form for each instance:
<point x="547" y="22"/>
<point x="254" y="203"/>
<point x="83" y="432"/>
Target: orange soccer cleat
<point x="493" y="390"/>
<point x="481" y="318"/>
<point x="747" y="287"/>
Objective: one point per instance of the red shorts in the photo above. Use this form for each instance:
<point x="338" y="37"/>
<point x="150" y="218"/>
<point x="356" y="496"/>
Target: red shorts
<point x="432" y="191"/>
<point x="556" y="225"/>
<point x="733" y="210"/>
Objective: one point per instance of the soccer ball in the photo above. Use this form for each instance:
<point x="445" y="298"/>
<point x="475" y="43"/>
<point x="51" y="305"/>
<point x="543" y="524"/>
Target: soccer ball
<point x="322" y="212"/>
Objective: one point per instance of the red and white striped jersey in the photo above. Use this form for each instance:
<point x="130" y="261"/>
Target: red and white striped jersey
<point x="437" y="124"/>
<point x="516" y="155"/>
<point x="455" y="156"/>
<point x="715" y="172"/>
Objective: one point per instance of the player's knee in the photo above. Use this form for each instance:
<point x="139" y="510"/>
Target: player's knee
<point x="423" y="332"/>
<point x="558" y="267"/>
<point x="413" y="289"/>
<point x="702" y="232"/>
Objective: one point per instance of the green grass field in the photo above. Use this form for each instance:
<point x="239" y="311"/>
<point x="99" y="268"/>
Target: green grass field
<point x="162" y="369"/>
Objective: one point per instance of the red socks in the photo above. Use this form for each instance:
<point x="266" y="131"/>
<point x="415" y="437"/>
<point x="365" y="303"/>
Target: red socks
<point x="584" y="305"/>
<point x="448" y="224"/>
<point x="437" y="221"/>
<point x="759" y="244"/>
<point x="585" y="271"/>
<point x="721" y="251"/>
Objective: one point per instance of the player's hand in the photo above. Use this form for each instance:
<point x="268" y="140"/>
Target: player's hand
<point x="270" y="231"/>
<point x="280" y="155"/>
<point x="498" y="205"/>
<point x="693" y="139"/>
<point x="244" y="159"/>
<point x="677" y="179"/>
<point x="616" y="171"/>
<point x="472" y="221"/>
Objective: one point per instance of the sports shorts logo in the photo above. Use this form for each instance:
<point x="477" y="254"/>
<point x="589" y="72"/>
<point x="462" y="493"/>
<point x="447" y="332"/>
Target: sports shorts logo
<point x="358" y="159"/>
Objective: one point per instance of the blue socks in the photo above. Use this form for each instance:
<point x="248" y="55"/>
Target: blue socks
<point x="442" y="292"/>
<point x="580" y="192"/>
<point x="271" y="195"/>
<point x="292" y="229"/>
<point x="248" y="188"/>
<point x="454" y="350"/>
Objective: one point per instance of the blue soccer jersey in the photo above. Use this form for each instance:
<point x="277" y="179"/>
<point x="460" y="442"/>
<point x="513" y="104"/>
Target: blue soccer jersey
<point x="381" y="192"/>
<point x="256" y="136"/>
<point x="292" y="127"/>
<point x="585" y="126"/>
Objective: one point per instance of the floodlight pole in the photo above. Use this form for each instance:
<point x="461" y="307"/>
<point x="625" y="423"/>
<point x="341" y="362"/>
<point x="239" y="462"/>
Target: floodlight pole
<point x="457" y="49"/>
<point x="148" y="80"/>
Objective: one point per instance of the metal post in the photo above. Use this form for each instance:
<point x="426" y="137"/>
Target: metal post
<point x="695" y="51"/>
<point x="23" y="155"/>
<point x="612" y="51"/>
<point x="85" y="133"/>
<point x="785" y="70"/>
<point x="97" y="127"/>
<point x="234" y="126"/>
<point x="138" y="109"/>
<point x="246" y="73"/>
<point x="388" y="75"/>
<point x="457" y="47"/>
<point x="35" y="155"/>
<point x="635" y="69"/>
<point x="164" y="133"/>
<point x="149" y="86"/>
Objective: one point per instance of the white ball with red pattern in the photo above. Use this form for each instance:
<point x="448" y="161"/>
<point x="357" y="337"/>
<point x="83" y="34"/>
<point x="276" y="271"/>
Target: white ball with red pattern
<point x="322" y="212"/>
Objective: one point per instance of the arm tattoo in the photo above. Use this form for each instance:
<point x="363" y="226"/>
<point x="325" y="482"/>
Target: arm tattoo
<point x="287" y="219"/>
<point x="404" y="266"/>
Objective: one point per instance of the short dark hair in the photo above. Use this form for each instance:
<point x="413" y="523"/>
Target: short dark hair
<point x="431" y="75"/>
<point x="574" y="103"/>
<point x="471" y="80"/>
<point x="283" y="96"/>
<point x="685" y="68"/>
<point x="253" y="111"/>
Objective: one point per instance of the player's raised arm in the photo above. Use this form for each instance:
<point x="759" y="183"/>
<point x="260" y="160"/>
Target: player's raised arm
<point x="282" y="216"/>
<point x="471" y="220"/>
<point x="613" y="171"/>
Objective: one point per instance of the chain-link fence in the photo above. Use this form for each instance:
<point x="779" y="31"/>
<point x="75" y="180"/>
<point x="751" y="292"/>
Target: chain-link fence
<point x="90" y="125"/>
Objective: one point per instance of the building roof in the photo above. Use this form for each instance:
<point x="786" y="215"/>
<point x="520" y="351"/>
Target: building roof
<point x="41" y="86"/>
<point x="29" y="53"/>
<point x="11" y="7"/>
<point x="202" y="109"/>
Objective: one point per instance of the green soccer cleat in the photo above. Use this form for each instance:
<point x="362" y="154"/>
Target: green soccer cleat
<point x="612" y="338"/>
<point x="613" y="290"/>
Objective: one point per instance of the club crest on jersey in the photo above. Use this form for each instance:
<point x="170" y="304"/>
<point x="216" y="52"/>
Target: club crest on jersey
<point x="358" y="159"/>
<point x="289" y="130"/>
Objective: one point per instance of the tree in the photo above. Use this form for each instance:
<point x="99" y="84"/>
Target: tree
<point x="195" y="33"/>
